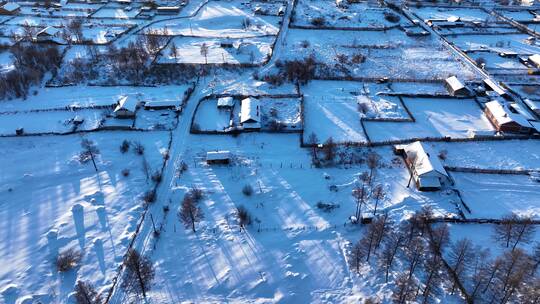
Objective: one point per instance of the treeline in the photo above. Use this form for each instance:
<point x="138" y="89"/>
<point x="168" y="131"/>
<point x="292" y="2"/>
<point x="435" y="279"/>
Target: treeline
<point x="422" y="263"/>
<point x="31" y="63"/>
<point x="131" y="64"/>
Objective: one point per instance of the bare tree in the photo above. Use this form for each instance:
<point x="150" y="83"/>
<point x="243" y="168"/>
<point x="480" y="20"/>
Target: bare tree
<point x="244" y="218"/>
<point x="313" y="141"/>
<point x="139" y="273"/>
<point x="85" y="293"/>
<point x="90" y="150"/>
<point x="174" y="51"/>
<point x="531" y="292"/>
<point x="439" y="238"/>
<point x="75" y="28"/>
<point x="360" y="194"/>
<point x="480" y="272"/>
<point x="535" y="257"/>
<point x="204" y="52"/>
<point x="433" y="277"/>
<point x="405" y="289"/>
<point x="389" y="252"/>
<point x="460" y="256"/>
<point x="514" y="229"/>
<point x="372" y="162"/>
<point x="413" y="254"/>
<point x="190" y="213"/>
<point x="378" y="194"/>
<point x="329" y="149"/>
<point x="513" y="273"/>
<point x="356" y="256"/>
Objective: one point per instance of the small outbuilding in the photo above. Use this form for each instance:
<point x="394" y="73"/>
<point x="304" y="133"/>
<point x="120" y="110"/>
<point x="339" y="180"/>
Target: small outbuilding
<point x="10" y="8"/>
<point x="534" y="60"/>
<point x="425" y="167"/>
<point x="48" y="34"/>
<point x="250" y="114"/>
<point x="225" y="102"/>
<point x="506" y="119"/>
<point x="218" y="157"/>
<point x="125" y="107"/>
<point x="456" y="87"/>
<point x="168" y="10"/>
<point x="490" y="85"/>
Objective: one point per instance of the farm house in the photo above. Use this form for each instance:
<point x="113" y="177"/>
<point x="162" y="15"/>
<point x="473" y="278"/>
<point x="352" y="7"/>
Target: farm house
<point x="250" y="114"/>
<point x="225" y="102"/>
<point x="455" y="87"/>
<point x="504" y="119"/>
<point x="425" y="168"/>
<point x="10" y="8"/>
<point x="218" y="157"/>
<point x="125" y="107"/>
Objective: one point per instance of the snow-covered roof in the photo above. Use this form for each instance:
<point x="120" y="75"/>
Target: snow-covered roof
<point x="423" y="159"/>
<point x="218" y="155"/>
<point x="225" y="102"/>
<point x="11" y="6"/>
<point x="249" y="111"/>
<point x="162" y="103"/>
<point x="454" y="83"/>
<point x="48" y="31"/>
<point x="495" y="87"/>
<point x="126" y="103"/>
<point x="504" y="115"/>
<point x="535" y="59"/>
<point x="429" y="182"/>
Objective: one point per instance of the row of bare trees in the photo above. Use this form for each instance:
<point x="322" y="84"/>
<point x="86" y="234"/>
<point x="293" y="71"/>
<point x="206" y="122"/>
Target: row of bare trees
<point x="430" y="264"/>
<point x="31" y="63"/>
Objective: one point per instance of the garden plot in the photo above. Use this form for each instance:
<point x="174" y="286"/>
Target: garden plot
<point x="243" y="51"/>
<point x="507" y="155"/>
<point x="330" y="110"/>
<point x="440" y="13"/>
<point x="492" y="196"/>
<point x="6" y="62"/>
<point x="434" y="118"/>
<point x="211" y="118"/>
<point x="482" y="235"/>
<point x="38" y="217"/>
<point x="221" y="19"/>
<point x="493" y="60"/>
<point x="155" y="119"/>
<point x="38" y="11"/>
<point x="317" y="13"/>
<point x="51" y="121"/>
<point x="469" y="30"/>
<point x="307" y="264"/>
<point x="496" y="43"/>
<point x="518" y="15"/>
<point x="277" y="113"/>
<point x="117" y="13"/>
<point x="390" y="54"/>
<point x="36" y="21"/>
<point x="81" y="96"/>
<point x="262" y="7"/>
<point x="102" y="34"/>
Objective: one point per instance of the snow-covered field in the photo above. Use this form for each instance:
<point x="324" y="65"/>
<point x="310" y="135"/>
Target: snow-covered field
<point x="38" y="217"/>
<point x="370" y="81"/>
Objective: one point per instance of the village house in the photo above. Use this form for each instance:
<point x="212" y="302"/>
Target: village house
<point x="168" y="10"/>
<point x="48" y="34"/>
<point x="125" y="107"/>
<point x="490" y="85"/>
<point x="10" y="8"/>
<point x="425" y="167"/>
<point x="250" y="114"/>
<point x="225" y="102"/>
<point x="506" y="119"/>
<point x="455" y="87"/>
<point x="534" y="60"/>
<point x="218" y="157"/>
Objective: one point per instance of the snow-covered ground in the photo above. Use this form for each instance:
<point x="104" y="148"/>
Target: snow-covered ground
<point x="38" y="217"/>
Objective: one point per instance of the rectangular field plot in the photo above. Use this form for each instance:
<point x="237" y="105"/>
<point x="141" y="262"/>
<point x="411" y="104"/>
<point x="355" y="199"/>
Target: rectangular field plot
<point x="237" y="51"/>
<point x="434" y="118"/>
<point x="497" y="43"/>
<point x="316" y="13"/>
<point x="496" y="195"/>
